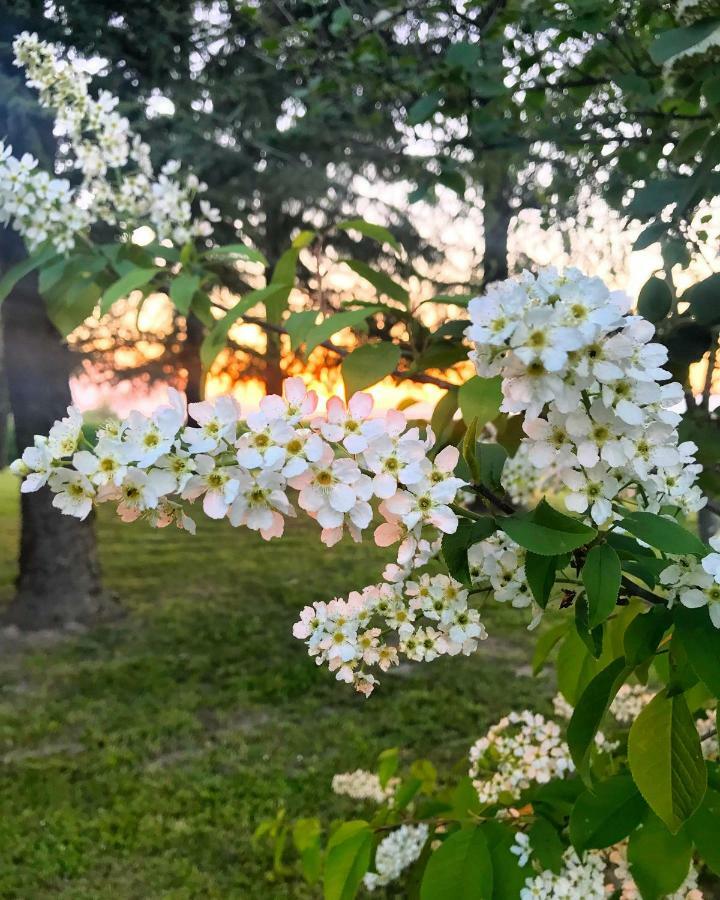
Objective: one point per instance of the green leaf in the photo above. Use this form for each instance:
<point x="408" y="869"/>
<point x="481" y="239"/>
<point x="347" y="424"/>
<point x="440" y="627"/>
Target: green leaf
<point x="668" y="44"/>
<point x="469" y="454"/>
<point x="704" y="827"/>
<point x="508" y="877"/>
<point x="607" y="814"/>
<point x="443" y="413"/>
<point x="334" y="323"/>
<point x="591" y="637"/>
<point x="284" y="271"/>
<point x="368" y="229"/>
<point x="388" y="762"/>
<point x="546" y="531"/>
<point x="70" y="308"/>
<point x="460" y="868"/>
<point x="665" y="534"/>
<point x="601" y="577"/>
<point x="546" y="643"/>
<point x="406" y="792"/>
<point x="452" y="299"/>
<point x="15" y="273"/>
<point x="666" y="759"/>
<point x="182" y="290"/>
<point x="368" y="364"/>
<point x="455" y="546"/>
<point x="491" y="460"/>
<point x="655" y="300"/>
<point x="237" y="251"/>
<point x="702" y="643"/>
<point x="650" y="235"/>
<point x="130" y="281"/>
<point x="298" y="325"/>
<point x="704" y="300"/>
<point x="306" y="837"/>
<point x="540" y="575"/>
<point x="463" y="55"/>
<point x="382" y="282"/>
<point x="216" y="338"/>
<point x="644" y="634"/>
<point x="659" y="861"/>
<point x="546" y="845"/>
<point x="423" y="108"/>
<point x="480" y="399"/>
<point x="575" y="667"/>
<point x="348" y="858"/>
<point x="590" y="711"/>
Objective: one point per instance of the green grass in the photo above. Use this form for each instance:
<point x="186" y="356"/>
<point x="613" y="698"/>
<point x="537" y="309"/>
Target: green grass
<point x="137" y="759"/>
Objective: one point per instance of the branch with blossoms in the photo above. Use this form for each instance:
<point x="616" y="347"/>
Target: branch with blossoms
<point x="585" y="379"/>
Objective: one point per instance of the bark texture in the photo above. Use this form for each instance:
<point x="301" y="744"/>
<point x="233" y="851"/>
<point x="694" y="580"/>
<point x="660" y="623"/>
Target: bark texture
<point x="59" y="578"/>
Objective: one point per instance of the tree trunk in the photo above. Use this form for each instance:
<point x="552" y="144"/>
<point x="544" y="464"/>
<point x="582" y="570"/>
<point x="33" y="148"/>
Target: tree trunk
<point x="497" y="215"/>
<point x="59" y="578"/>
<point x="4" y="411"/>
<point x="273" y="374"/>
<point x="195" y="385"/>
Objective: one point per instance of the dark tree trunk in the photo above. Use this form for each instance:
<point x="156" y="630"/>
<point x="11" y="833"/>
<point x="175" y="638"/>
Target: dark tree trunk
<point x="195" y="385"/>
<point x="59" y="578"/>
<point x="497" y="215"/>
<point x="273" y="374"/>
<point x="4" y="411"/>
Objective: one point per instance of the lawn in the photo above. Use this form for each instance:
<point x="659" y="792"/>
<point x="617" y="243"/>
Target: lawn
<point x="136" y="759"/>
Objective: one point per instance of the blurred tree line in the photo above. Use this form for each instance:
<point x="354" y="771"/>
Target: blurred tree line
<point x="283" y="108"/>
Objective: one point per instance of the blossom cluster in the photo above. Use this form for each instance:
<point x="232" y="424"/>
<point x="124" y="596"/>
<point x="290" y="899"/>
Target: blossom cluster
<point x="117" y="183"/>
<point x="590" y="384"/>
<point x="417" y="619"/>
<point x="242" y="469"/>
<point x="395" y="853"/>
<point x="363" y="785"/>
<point x="696" y="584"/>
<point x="522" y="749"/>
<point x="578" y="878"/>
<point x="497" y="564"/>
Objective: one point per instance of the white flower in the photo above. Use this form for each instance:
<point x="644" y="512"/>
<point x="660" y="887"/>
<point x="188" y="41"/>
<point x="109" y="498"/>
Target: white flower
<point x="218" y="486"/>
<point x="706" y="592"/>
<point x="428" y="506"/>
<point x="263" y="445"/>
<point x="34" y="467"/>
<point x="593" y="490"/>
<point x="351" y="427"/>
<point x="141" y="490"/>
<point x="261" y="503"/>
<point x="65" y="434"/>
<point x="218" y="423"/>
<point x="107" y="465"/>
<point x="74" y="493"/>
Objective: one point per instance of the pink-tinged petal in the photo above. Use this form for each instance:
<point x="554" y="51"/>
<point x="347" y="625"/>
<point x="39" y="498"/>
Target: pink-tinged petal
<point x="273" y="406"/>
<point x="399" y="504"/>
<point x="259" y="519"/>
<point x="447" y="459"/>
<point x="330" y="536"/>
<point x="395" y="422"/>
<point x="444" y="518"/>
<point x="298" y="482"/>
<point x="314" y="448"/>
<point x="342" y="497"/>
<point x="387" y="534"/>
<point x="201" y="412"/>
<point x="309" y="404"/>
<point x="335" y="411"/>
<point x="331" y="432"/>
<point x="361" y="405"/>
<point x="214" y="505"/>
<point x="384" y="486"/>
<point x="294" y="390"/>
